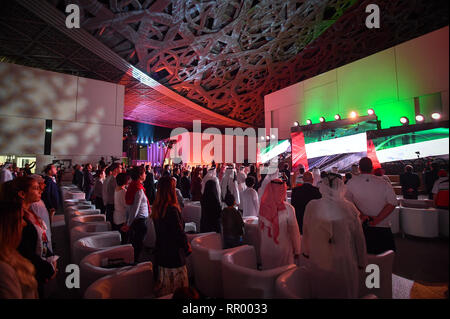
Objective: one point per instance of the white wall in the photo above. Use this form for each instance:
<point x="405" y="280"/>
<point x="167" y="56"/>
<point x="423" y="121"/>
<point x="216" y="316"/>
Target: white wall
<point x="387" y="81"/>
<point x="87" y="114"/>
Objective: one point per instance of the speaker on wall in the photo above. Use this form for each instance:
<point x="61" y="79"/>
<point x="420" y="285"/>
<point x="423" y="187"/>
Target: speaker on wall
<point x="48" y="137"/>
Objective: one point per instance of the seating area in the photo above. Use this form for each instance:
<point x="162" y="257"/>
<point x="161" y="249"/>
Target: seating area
<point x="108" y="269"/>
<point x="419" y="218"/>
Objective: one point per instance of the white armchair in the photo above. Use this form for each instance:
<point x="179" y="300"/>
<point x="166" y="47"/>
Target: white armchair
<point x="206" y="258"/>
<point x="95" y="265"/>
<point x="82" y="212"/>
<point x="75" y="195"/>
<point x="73" y="202"/>
<point x="242" y="279"/>
<point x="133" y="283"/>
<point x="69" y="210"/>
<point x="416" y="203"/>
<point x="87" y="230"/>
<point x="420" y="222"/>
<point x="385" y="262"/>
<point x="86" y="245"/>
<point x="252" y="237"/>
<point x="86" y="220"/>
<point x="189" y="263"/>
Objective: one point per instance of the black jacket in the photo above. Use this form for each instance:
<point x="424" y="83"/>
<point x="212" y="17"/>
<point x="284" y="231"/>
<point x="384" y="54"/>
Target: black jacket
<point x="50" y="195"/>
<point x="88" y="181"/>
<point x="410" y="180"/>
<point x="185" y="187"/>
<point x="301" y="196"/>
<point x="172" y="246"/>
<point x="149" y="185"/>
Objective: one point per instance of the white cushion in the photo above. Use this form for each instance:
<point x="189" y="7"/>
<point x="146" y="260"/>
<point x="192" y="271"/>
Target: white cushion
<point x="292" y="284"/>
<point x="206" y="258"/>
<point x="420" y="222"/>
<point x="86" y="245"/>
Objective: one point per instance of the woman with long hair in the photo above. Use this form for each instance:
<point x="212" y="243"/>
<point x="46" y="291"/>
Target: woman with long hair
<point x="211" y="209"/>
<point x="17" y="279"/>
<point x="34" y="244"/>
<point x="172" y="247"/>
<point x="138" y="209"/>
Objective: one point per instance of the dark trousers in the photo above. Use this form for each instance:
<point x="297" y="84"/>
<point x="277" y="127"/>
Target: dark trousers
<point x="379" y="239"/>
<point x="231" y="242"/>
<point x="138" y="230"/>
<point x="124" y="235"/>
<point x="109" y="213"/>
<point x="99" y="205"/>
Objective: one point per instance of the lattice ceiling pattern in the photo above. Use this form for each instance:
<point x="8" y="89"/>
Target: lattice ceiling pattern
<point x="223" y="55"/>
<point x="219" y="54"/>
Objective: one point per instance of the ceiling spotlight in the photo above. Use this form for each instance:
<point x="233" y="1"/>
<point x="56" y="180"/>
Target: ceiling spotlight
<point x="404" y="120"/>
<point x="420" y="118"/>
<point x="337" y="117"/>
<point x="296" y="123"/>
<point x="370" y="112"/>
<point x="267" y="137"/>
<point x="273" y="136"/>
<point x="353" y="114"/>
<point x="436" y="116"/>
<point x="308" y="122"/>
<point x="322" y="119"/>
<point x="262" y="138"/>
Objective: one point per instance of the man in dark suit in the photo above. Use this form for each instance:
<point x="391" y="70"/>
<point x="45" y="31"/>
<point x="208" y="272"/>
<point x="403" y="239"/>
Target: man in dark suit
<point x="410" y="183"/>
<point x="301" y="195"/>
<point x="50" y="195"/>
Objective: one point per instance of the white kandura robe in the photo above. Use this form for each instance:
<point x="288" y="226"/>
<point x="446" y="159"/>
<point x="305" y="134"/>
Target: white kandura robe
<point x="276" y="255"/>
<point x="334" y="241"/>
<point x="250" y="202"/>
<point x="241" y="176"/>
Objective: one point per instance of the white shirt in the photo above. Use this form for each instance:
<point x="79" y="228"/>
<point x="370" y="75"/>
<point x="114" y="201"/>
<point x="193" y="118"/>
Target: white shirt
<point x="370" y="194"/>
<point x="41" y="211"/>
<point x="250" y="202"/>
<point x="120" y="207"/>
<point x="105" y="189"/>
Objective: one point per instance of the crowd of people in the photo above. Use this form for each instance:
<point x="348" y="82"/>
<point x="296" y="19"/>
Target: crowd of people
<point x="330" y="225"/>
